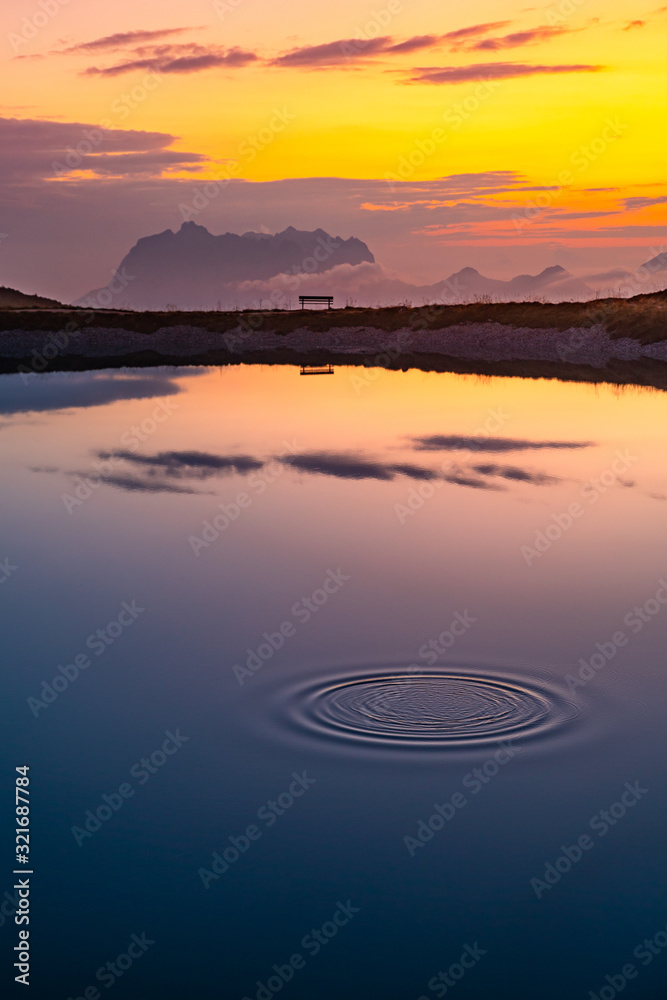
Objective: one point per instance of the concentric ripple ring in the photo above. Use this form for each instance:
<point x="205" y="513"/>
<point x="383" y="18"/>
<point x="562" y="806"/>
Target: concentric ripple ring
<point x="431" y="708"/>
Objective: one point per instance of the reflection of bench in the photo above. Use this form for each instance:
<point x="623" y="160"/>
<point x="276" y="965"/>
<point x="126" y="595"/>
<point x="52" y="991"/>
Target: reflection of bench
<point x="316" y="298"/>
<point x="312" y="370"/>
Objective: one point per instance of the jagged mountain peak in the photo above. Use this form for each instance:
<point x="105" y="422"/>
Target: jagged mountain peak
<point x="192" y="268"/>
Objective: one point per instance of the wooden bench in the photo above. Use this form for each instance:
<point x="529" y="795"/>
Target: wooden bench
<point x="315" y="370"/>
<point x="316" y="298"/>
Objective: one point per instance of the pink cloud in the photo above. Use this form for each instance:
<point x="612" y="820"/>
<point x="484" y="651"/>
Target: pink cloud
<point x="122" y="39"/>
<point x="333" y="53"/>
<point x="518" y="38"/>
<point x="635" y="204"/>
<point x="475" y="29"/>
<point x="492" y="71"/>
<point x="187" y="58"/>
<point x="416" y="43"/>
<point x="37" y="151"/>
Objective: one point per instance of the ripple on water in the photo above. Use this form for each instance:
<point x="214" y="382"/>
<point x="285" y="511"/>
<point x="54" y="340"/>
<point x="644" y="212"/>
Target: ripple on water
<point x="438" y="708"/>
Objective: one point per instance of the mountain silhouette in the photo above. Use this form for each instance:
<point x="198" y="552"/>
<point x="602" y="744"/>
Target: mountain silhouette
<point x="10" y="298"/>
<point x="469" y="284"/>
<point x="192" y="269"/>
<point x="658" y="263"/>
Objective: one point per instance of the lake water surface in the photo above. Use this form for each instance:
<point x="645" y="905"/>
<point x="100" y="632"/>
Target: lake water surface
<point x="337" y="687"/>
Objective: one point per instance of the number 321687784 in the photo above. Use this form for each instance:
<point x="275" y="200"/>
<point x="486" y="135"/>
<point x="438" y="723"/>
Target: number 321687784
<point x="22" y="815"/>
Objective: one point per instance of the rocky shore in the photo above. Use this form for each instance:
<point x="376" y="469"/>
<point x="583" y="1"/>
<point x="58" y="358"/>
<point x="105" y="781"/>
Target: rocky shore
<point x="485" y="347"/>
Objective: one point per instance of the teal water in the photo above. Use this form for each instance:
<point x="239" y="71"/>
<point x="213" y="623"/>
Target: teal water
<point x="336" y="687"/>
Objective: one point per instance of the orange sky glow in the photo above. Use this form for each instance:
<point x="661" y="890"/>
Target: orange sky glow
<point x="491" y="127"/>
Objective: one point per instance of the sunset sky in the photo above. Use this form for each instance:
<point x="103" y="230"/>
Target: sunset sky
<point x="501" y="137"/>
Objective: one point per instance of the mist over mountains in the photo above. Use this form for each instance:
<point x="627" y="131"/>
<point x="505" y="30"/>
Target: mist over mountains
<point x="193" y="269"/>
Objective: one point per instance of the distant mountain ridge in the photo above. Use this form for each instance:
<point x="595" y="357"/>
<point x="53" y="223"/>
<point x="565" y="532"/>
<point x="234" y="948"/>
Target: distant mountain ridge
<point x="191" y="268"/>
<point x="658" y="263"/>
<point x="469" y="283"/>
<point x="10" y="298"/>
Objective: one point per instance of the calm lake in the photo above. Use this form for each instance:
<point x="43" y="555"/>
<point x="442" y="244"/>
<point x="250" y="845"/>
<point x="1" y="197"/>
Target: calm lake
<point x="336" y="687"/>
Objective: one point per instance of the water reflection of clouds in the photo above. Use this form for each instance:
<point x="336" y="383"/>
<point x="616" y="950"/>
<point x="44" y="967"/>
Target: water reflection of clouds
<point x="350" y="466"/>
<point x="135" y="485"/>
<point x="74" y="390"/>
<point x="188" y="464"/>
<point x="515" y="474"/>
<point x="157" y="473"/>
<point x="455" y="442"/>
<point x="152" y="473"/>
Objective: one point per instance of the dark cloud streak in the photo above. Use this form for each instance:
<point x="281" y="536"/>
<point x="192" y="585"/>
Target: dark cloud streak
<point x="122" y="39"/>
<point x="515" y="474"/>
<point x="454" y="442"/>
<point x="474" y="30"/>
<point x="333" y="53"/>
<point x="517" y="39"/>
<point x="179" y="59"/>
<point x="188" y="464"/>
<point x="133" y="485"/>
<point x="492" y="71"/>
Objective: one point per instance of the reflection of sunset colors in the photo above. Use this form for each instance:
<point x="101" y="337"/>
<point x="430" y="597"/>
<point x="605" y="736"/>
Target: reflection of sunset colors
<point x="332" y="590"/>
<point x="547" y="122"/>
<point x="418" y="485"/>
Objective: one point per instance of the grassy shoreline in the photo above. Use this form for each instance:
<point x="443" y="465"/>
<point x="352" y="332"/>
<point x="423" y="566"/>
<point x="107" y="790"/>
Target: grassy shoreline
<point x="642" y="319"/>
<point x="644" y="373"/>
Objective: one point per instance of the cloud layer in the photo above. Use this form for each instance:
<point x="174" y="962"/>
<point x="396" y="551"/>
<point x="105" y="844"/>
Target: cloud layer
<point x="494" y="71"/>
<point x="454" y="442"/>
<point x="142" y="53"/>
<point x="181" y="471"/>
